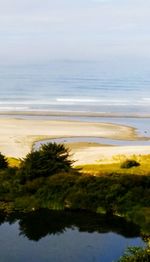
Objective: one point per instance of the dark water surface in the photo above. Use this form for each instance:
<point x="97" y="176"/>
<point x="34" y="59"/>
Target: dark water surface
<point x="61" y="236"/>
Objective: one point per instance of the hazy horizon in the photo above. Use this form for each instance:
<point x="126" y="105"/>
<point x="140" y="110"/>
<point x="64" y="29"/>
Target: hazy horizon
<point x="37" y="32"/>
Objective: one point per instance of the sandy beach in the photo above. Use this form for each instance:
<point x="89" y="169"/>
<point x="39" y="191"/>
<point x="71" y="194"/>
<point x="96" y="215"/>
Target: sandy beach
<point x="17" y="136"/>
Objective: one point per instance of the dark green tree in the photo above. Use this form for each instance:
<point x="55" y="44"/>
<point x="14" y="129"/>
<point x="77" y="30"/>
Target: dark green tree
<point x="50" y="159"/>
<point x="3" y="162"/>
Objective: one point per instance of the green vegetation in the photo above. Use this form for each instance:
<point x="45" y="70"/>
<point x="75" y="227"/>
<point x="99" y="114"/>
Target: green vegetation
<point x="3" y="162"/>
<point x="129" y="163"/>
<point x="13" y="162"/>
<point x="46" y="179"/>
<point x="136" y="254"/>
<point x="114" y="166"/>
<point x="51" y="159"/>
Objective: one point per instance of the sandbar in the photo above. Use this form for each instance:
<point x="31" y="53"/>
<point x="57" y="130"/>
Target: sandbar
<point x="17" y="136"/>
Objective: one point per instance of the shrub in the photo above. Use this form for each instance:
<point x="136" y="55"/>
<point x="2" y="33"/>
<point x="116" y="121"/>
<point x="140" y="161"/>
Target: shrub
<point x="50" y="159"/>
<point x="3" y="162"/>
<point x="136" y="254"/>
<point x="129" y="163"/>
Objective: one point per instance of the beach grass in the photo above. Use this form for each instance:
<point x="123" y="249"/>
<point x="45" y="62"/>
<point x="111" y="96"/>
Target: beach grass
<point x="114" y="166"/>
<point x="107" y="167"/>
<point x="13" y="162"/>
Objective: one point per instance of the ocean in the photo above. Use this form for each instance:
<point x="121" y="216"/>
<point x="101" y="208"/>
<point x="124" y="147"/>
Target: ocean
<point x="75" y="86"/>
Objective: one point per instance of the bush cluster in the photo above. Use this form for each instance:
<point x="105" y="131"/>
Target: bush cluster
<point x="46" y="179"/>
<point x="129" y="163"/>
<point x="136" y="254"/>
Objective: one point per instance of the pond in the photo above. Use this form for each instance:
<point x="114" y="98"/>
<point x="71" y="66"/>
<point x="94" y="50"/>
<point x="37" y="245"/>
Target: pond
<point x="65" y="236"/>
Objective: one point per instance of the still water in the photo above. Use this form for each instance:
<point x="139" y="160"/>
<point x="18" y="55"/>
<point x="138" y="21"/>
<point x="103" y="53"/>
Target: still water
<point x="63" y="236"/>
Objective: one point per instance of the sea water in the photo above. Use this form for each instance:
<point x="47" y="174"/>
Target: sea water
<point x="79" y="86"/>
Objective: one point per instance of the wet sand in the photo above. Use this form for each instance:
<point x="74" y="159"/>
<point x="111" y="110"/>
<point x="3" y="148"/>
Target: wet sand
<point x="73" y="113"/>
<point x="17" y="136"/>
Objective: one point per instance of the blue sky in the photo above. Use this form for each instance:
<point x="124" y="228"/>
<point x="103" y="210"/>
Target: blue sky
<point x="35" y="30"/>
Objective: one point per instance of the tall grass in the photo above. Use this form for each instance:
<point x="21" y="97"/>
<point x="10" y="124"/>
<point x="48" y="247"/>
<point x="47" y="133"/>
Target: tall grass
<point x="114" y="166"/>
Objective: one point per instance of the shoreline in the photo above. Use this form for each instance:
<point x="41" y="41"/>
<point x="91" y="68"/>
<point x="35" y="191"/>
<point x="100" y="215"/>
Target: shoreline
<point x="139" y="123"/>
<point x="73" y="113"/>
<point x="18" y="135"/>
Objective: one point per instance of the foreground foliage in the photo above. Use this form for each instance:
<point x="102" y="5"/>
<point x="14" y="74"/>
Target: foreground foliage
<point x="46" y="179"/>
<point x="3" y="162"/>
<point x="136" y="254"/>
<point x="48" y="160"/>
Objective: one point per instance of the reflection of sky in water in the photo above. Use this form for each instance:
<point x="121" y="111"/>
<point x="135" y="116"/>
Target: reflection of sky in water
<point x="71" y="245"/>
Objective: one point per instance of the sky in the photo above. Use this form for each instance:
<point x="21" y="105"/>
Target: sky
<point x="38" y="31"/>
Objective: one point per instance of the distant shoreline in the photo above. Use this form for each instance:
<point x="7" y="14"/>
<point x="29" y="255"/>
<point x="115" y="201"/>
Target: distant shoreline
<point x="72" y="113"/>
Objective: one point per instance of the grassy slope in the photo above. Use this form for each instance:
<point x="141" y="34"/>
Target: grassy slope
<point x="13" y="162"/>
<point x="114" y="166"/>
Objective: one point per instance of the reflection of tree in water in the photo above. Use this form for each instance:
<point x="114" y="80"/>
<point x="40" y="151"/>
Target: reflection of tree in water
<point x="2" y="218"/>
<point x="38" y="224"/>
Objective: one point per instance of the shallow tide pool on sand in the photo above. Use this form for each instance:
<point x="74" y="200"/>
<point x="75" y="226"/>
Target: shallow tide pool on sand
<point x="98" y="140"/>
